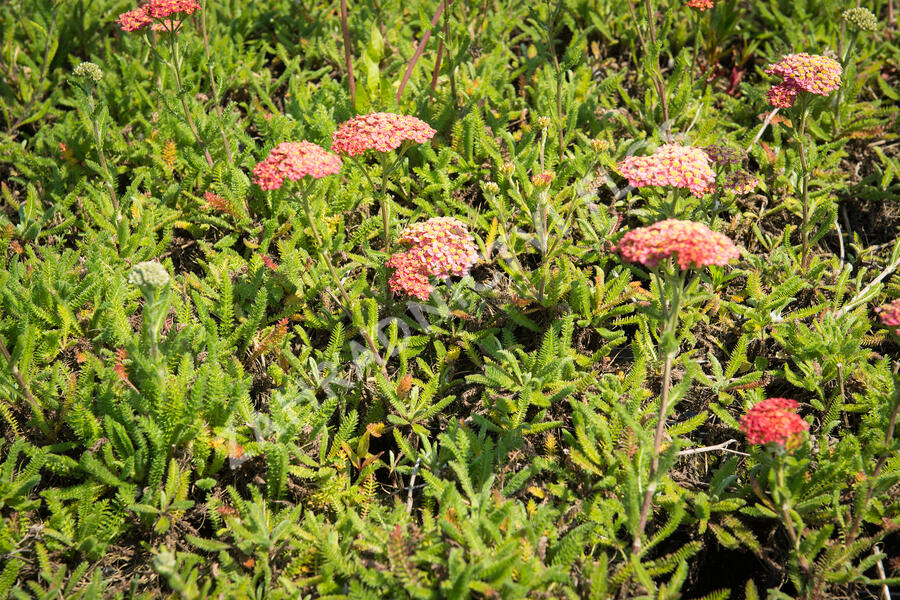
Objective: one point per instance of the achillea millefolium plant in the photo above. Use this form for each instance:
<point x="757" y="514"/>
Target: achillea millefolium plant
<point x="556" y="299"/>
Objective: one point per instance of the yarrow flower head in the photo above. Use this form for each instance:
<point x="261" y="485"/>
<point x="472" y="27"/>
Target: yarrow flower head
<point x="803" y="73"/>
<point x="382" y="132"/>
<point x="89" y="71"/>
<point x="701" y="5"/>
<point x="671" y="165"/>
<point x="441" y="247"/>
<point x="542" y="180"/>
<point x="774" y="420"/>
<point x="294" y="161"/>
<point x="145" y="15"/>
<point x="862" y="18"/>
<point x="889" y="315"/>
<point x="693" y="245"/>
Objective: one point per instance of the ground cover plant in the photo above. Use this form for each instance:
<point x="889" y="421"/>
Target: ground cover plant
<point x="460" y="299"/>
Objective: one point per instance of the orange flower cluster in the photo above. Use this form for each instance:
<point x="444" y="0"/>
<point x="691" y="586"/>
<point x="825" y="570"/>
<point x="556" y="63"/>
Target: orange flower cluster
<point x="671" y="165"/>
<point x="294" y="161"/>
<point x="774" y="420"/>
<point x="701" y="5"/>
<point x="140" y="17"/>
<point x="803" y="73"/>
<point x="693" y="244"/>
<point x="441" y="247"/>
<point x="889" y="315"/>
<point x="382" y="132"/>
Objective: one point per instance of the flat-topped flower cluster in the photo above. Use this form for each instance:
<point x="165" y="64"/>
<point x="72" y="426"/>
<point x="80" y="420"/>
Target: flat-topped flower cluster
<point x="441" y="247"/>
<point x="141" y="17"/>
<point x="671" y="165"/>
<point x="691" y="244"/>
<point x="381" y="132"/>
<point x="774" y="420"/>
<point x="293" y="161"/>
<point x="803" y="72"/>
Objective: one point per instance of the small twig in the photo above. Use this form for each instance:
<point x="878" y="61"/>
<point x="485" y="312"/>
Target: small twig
<point x="759" y="134"/>
<point x="862" y="293"/>
<point x="348" y="51"/>
<point x="879" y="566"/>
<point x="419" y="49"/>
<point x="840" y="233"/>
<point x="412" y="484"/>
<point x="722" y="446"/>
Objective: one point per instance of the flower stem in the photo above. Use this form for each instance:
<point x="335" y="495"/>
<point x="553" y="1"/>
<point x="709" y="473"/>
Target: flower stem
<point x="670" y="316"/>
<point x="326" y="255"/>
<point x="176" y="69"/>
<point x="212" y="84"/>
<point x="804" y="229"/>
<point x="102" y="155"/>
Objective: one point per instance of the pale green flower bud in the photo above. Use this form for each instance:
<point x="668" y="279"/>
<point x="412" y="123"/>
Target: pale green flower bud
<point x="148" y="275"/>
<point x="862" y="18"/>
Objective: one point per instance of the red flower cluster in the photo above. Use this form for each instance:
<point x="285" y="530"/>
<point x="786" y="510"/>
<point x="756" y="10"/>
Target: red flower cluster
<point x="671" y="165"/>
<point x="137" y="19"/>
<point x="701" y="5"/>
<point x="693" y="244"/>
<point x="382" y="132"/>
<point x="889" y="315"/>
<point x="803" y="73"/>
<point x="440" y="247"/>
<point x="294" y="160"/>
<point x="774" y="420"/>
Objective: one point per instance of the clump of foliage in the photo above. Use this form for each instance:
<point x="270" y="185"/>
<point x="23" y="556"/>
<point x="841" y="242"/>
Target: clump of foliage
<point x="382" y="299"/>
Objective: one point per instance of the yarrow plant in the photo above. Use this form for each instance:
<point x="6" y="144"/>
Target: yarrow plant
<point x="295" y="162"/>
<point x="440" y="247"/>
<point x="731" y="178"/>
<point x="775" y="431"/>
<point x="670" y="249"/>
<point x="87" y="77"/>
<point x="382" y="133"/>
<point x="804" y="77"/>
<point x="167" y="16"/>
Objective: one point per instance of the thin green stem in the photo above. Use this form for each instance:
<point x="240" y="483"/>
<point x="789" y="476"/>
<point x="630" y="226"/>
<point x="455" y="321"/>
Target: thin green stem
<point x="102" y="155"/>
<point x="804" y="230"/>
<point x="451" y="59"/>
<point x="176" y="69"/>
<point x="212" y="83"/>
<point x="326" y="255"/>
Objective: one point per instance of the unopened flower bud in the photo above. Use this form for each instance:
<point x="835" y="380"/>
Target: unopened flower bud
<point x="544" y="122"/>
<point x="542" y="180"/>
<point x="148" y="275"/>
<point x="507" y="169"/>
<point x="862" y="18"/>
<point x="599" y="145"/>
<point x="490" y="187"/>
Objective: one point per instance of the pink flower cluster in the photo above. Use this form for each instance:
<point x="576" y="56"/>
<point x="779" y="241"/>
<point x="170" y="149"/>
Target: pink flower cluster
<point x="294" y="161"/>
<point x="889" y="315"/>
<point x="382" y="132"/>
<point x="774" y="420"/>
<point x="671" y="165"/>
<point x="140" y="17"/>
<point x="803" y="73"/>
<point x="441" y="247"/>
<point x="693" y="244"/>
<point x="701" y="5"/>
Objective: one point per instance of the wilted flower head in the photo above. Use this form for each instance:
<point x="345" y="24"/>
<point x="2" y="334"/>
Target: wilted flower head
<point x="441" y="247"/>
<point x="542" y="180"/>
<point x="889" y="315"/>
<point x="141" y="17"/>
<point x="701" y="5"/>
<point x="862" y="18"/>
<point x="774" y="420"/>
<point x="740" y="182"/>
<point x="148" y="275"/>
<point x="671" y="165"/>
<point x="382" y="132"/>
<point x="694" y="245"/>
<point x="724" y="155"/>
<point x="803" y="73"/>
<point x="89" y="71"/>
<point x="294" y="161"/>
